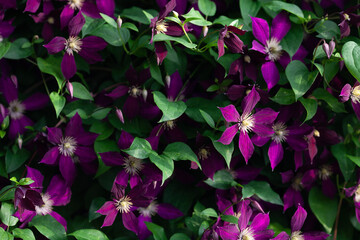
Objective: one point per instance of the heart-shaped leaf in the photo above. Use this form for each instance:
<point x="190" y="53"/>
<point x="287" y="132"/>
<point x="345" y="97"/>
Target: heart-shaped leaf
<point x="58" y="101"/>
<point x="171" y="110"/>
<point x="351" y="55"/>
<point x="299" y="77"/>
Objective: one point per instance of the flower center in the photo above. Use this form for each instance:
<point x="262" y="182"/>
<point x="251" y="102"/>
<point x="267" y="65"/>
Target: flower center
<point x="204" y="153"/>
<point x="169" y="125"/>
<point x="150" y="210"/>
<point x="296" y="184"/>
<point x="280" y="132"/>
<point x="16" y="109"/>
<point x="325" y="172"/>
<point x="123" y="205"/>
<point x="296" y="236"/>
<point x="346" y="16"/>
<point x="133" y="165"/>
<point x="247" y="59"/>
<point x="161" y="27"/>
<point x="67" y="146"/>
<point x="46" y="208"/>
<point x="247" y="234"/>
<point x="316" y="133"/>
<point x="355" y="94"/>
<point x="273" y="49"/>
<point x="76" y="4"/>
<point x="357" y="194"/>
<point x="135" y="91"/>
<point x="73" y="44"/>
<point x="51" y="20"/>
<point x="246" y="123"/>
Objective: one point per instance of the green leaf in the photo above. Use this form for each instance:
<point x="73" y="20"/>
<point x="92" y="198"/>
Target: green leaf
<point x="207" y="7"/>
<point x="5" y="235"/>
<point x="230" y="219"/>
<point x="164" y="163"/>
<point x="51" y="65"/>
<point x="355" y="159"/>
<point x="249" y="8"/>
<point x="182" y="40"/>
<point x="6" y="212"/>
<point x="323" y="207"/>
<point x="19" y="49"/>
<point x="327" y="29"/>
<point x="171" y="110"/>
<point x="180" y="151"/>
<point x="89" y="234"/>
<point x="104" y="129"/>
<point x="58" y="102"/>
<point x="113" y="37"/>
<point x="130" y="26"/>
<point x="284" y="96"/>
<point x="91" y="25"/>
<point x="100" y="113"/>
<point x="95" y="205"/>
<point x="320" y="68"/>
<point x="226" y="60"/>
<point x="179" y="236"/>
<point x="140" y="148"/>
<point x="351" y="55"/>
<point x="81" y="92"/>
<point x="157" y="231"/>
<point x="137" y="15"/>
<point x="14" y="160"/>
<point x="4" y="48"/>
<point x="222" y="180"/>
<point x="289" y="7"/>
<point x="25" y="234"/>
<point x="207" y="118"/>
<point x="334" y="104"/>
<point x="209" y="212"/>
<point x="225" y="150"/>
<point x="330" y="70"/>
<point x="7" y="193"/>
<point x="299" y="77"/>
<point x="49" y="227"/>
<point x="156" y="72"/>
<point x="346" y="166"/>
<point x="293" y="39"/>
<point x="195" y="18"/>
<point x="224" y="20"/>
<point x="262" y="190"/>
<point x="311" y="107"/>
<point x="109" y="20"/>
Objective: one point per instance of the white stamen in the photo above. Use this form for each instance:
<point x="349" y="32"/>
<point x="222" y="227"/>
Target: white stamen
<point x="123" y="205"/>
<point x="296" y="236"/>
<point x="73" y="44"/>
<point x="150" y="210"/>
<point x="247" y="234"/>
<point x="46" y="208"/>
<point x="133" y="165"/>
<point x="246" y="123"/>
<point x="280" y="132"/>
<point x="355" y="94"/>
<point x="357" y="194"/>
<point x="67" y="146"/>
<point x="76" y="4"/>
<point x="273" y="49"/>
<point x="161" y="27"/>
<point x="204" y="153"/>
<point x="296" y="183"/>
<point x="325" y="172"/>
<point x="134" y="91"/>
<point x="16" y="109"/>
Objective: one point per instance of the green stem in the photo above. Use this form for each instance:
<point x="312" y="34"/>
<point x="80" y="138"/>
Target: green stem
<point x="123" y="42"/>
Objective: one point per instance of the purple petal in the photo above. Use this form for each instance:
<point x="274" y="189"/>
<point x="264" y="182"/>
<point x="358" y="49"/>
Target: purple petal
<point x="74" y="126"/>
<point x="51" y="156"/>
<point x="167" y="9"/>
<point x="250" y="101"/>
<point x="230" y="113"/>
<point x="76" y="24"/>
<point x="297" y="221"/>
<point x="93" y="43"/>
<point x="86" y="138"/>
<point x="36" y="101"/>
<point x="234" y="44"/>
<point x="36" y="176"/>
<point x="229" y="232"/>
<point x="315" y="235"/>
<point x="90" y="56"/>
<point x="107" y="208"/>
<point x="160" y="51"/>
<point x="276" y="153"/>
<point x="66" y="14"/>
<point x="289" y="197"/>
<point x="270" y="73"/>
<point x="130" y="222"/>
<point x="32" y="6"/>
<point x="228" y="135"/>
<point x="125" y="140"/>
<point x="256" y="46"/>
<point x="260" y="29"/>
<point x="58" y="190"/>
<point x="345" y="93"/>
<point x="106" y="6"/>
<point x="67" y="169"/>
<point x="144" y="232"/>
<point x="68" y="66"/>
<point x="85" y="154"/>
<point x="59" y="218"/>
<point x="174" y="86"/>
<point x="246" y="146"/>
<point x="122" y="178"/>
<point x="110" y="217"/>
<point x="17" y="126"/>
<point x="350" y="191"/>
<point x="245" y="215"/>
<point x="265" y="116"/>
<point x="263" y="130"/>
<point x="280" y="26"/>
<point x="282" y="236"/>
<point x="298" y="159"/>
<point x="118" y="92"/>
<point x="167" y="211"/>
<point x="328" y="188"/>
<point x="8" y="89"/>
<point x="112" y="158"/>
<point x="259" y="140"/>
<point x="260" y="222"/>
<point x="221" y="48"/>
<point x="54" y="135"/>
<point x="89" y="9"/>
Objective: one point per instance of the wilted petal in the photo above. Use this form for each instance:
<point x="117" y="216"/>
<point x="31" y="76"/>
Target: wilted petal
<point x="221" y="48"/>
<point x="250" y="101"/>
<point x="68" y="66"/>
<point x="246" y="146"/>
<point x="234" y="44"/>
<point x="280" y="26"/>
<point x="270" y="73"/>
<point x="345" y="93"/>
<point x="276" y="153"/>
<point x="260" y="29"/>
<point x="229" y="134"/>
<point x="230" y="113"/>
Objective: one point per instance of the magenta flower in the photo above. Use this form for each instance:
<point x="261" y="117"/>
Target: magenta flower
<point x="17" y="108"/>
<point x="297" y="221"/>
<point x="270" y="44"/>
<point x="74" y="146"/>
<point x="353" y="93"/>
<point x="57" y="194"/>
<point x="247" y="122"/>
<point x="86" y="47"/>
<point x="355" y="191"/>
<point x="33" y="5"/>
<point x="228" y="37"/>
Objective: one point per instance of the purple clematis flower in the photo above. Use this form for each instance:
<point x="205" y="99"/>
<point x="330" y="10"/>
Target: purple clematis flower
<point x="75" y="145"/>
<point x="247" y="122"/>
<point x="17" y="108"/>
<point x="270" y="44"/>
<point x="86" y="47"/>
<point x="33" y="5"/>
<point x="57" y="194"/>
<point x="348" y="18"/>
<point x="353" y="93"/>
<point x="355" y="191"/>
<point x="125" y="204"/>
<point x="257" y="230"/>
<point x="228" y="37"/>
<point x="297" y="221"/>
<point x="292" y="196"/>
<point x="6" y="28"/>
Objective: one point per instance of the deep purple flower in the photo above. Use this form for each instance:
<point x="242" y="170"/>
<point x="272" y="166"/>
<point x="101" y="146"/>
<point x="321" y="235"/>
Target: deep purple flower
<point x="74" y="146"/>
<point x="353" y="93"/>
<point x="297" y="221"/>
<point x="57" y="194"/>
<point x="348" y="18"/>
<point x="228" y="37"/>
<point x="33" y="5"/>
<point x="292" y="196"/>
<point x="17" y="108"/>
<point x="247" y="122"/>
<point x="270" y="44"/>
<point x="125" y="204"/>
<point x="6" y="28"/>
<point x="27" y="198"/>
<point x="86" y="47"/>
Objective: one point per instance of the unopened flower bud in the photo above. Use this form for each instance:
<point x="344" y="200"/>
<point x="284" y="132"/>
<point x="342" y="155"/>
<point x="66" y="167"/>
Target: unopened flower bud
<point x="176" y="14"/>
<point x="167" y="80"/>
<point x="144" y="94"/>
<point x="20" y="142"/>
<point x="14" y="80"/>
<point x="2" y="111"/>
<point x="205" y="30"/>
<point x="316" y="133"/>
<point x="120" y="115"/>
<point x="36" y="37"/>
<point x="328" y="49"/>
<point x="70" y="88"/>
<point x="119" y="21"/>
